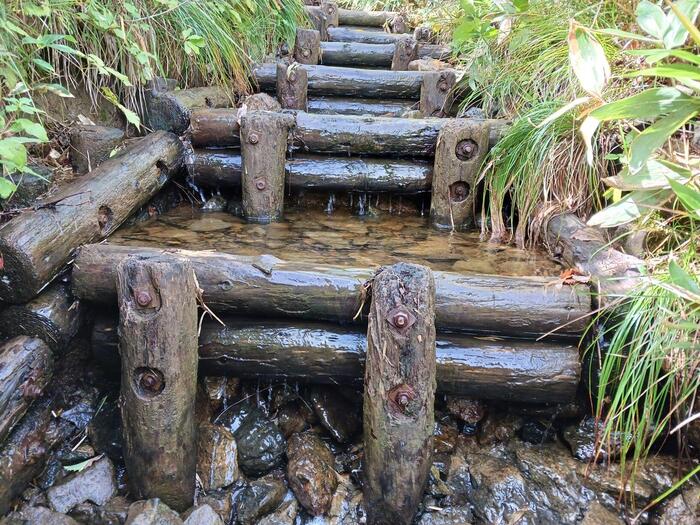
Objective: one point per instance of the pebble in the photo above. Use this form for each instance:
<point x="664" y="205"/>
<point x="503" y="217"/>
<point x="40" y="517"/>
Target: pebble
<point x="259" y="498"/>
<point x="217" y="458"/>
<point x="310" y="472"/>
<point x="96" y="484"/>
<point x="203" y="515"/>
<point x="152" y="512"/>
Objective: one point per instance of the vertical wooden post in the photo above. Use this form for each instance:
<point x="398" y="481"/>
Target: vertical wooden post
<point x="436" y="95"/>
<point x="398" y="24"/>
<point x="330" y="9"/>
<point x="405" y="51"/>
<point x="263" y="151"/>
<point x="292" y="86"/>
<point x="461" y="147"/>
<point x="320" y="22"/>
<point x="307" y="46"/>
<point x="158" y="347"/>
<point x="399" y="392"/>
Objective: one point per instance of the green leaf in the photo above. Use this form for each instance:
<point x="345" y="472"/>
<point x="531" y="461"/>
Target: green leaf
<point x="7" y="188"/>
<point x="44" y="65"/>
<point x="79" y="467"/>
<point x="676" y="30"/>
<point x="674" y="71"/>
<point x="12" y="150"/>
<point x="682" y="279"/>
<point x="56" y="89"/>
<point x="630" y="207"/>
<point x="656" y="135"/>
<point x="34" y="129"/>
<point x="651" y="18"/>
<point x="654" y="55"/>
<point x="655" y="174"/>
<point x="618" y="33"/>
<point x="689" y="197"/>
<point x="588" y="60"/>
<point x="130" y="116"/>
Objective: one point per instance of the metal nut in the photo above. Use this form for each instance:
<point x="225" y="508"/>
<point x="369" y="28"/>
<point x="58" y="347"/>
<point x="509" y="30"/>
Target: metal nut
<point x="305" y="53"/>
<point x="260" y="184"/>
<point x="143" y="298"/>
<point x="253" y="138"/>
<point x="400" y="320"/>
<point x="442" y="86"/>
<point x="466" y="149"/>
<point x="150" y="381"/>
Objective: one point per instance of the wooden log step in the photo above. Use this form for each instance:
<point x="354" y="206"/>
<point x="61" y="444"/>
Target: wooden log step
<point x="488" y="368"/>
<point x="54" y="317"/>
<point x="270" y="287"/>
<point x="215" y="128"/>
<point x="362" y="35"/>
<point x="26" y="367"/>
<point x="169" y="110"/>
<point x="383" y="19"/>
<point x="36" y="245"/>
<point x="435" y="51"/>
<point x="360" y="106"/>
<point x="355" y="54"/>
<point x="349" y="82"/>
<point x="222" y="169"/>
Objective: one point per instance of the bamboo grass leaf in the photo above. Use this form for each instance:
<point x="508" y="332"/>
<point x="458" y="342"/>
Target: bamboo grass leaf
<point x="588" y="60"/>
<point x="629" y="208"/>
<point x="688" y="196"/>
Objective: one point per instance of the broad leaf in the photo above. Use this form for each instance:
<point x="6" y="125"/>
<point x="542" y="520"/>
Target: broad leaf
<point x="56" y="89"/>
<point x="676" y="32"/>
<point x="689" y="197"/>
<point x="588" y="60"/>
<point x="629" y="208"/>
<point x="651" y="18"/>
<point x="674" y="71"/>
<point x="683" y="279"/>
<point x="654" y="175"/>
<point x="7" y="188"/>
<point x="12" y="150"/>
<point x="656" y="135"/>
<point x="28" y="127"/>
<point x="131" y="117"/>
<point x="654" y="55"/>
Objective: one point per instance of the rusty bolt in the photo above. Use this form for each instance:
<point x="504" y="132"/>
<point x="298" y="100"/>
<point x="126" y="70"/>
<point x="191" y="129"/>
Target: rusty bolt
<point x="305" y="53"/>
<point x="253" y="138"/>
<point x="442" y="86"/>
<point x="143" y="298"/>
<point x="400" y="320"/>
<point x="401" y="396"/>
<point x="403" y="400"/>
<point x="466" y="149"/>
<point x="260" y="184"/>
<point x="151" y="381"/>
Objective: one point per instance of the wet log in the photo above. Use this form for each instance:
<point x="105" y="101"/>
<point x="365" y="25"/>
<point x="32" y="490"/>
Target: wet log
<point x="263" y="150"/>
<point x="356" y="55"/>
<point x="360" y="106"/>
<point x="462" y="147"/>
<point x="351" y="17"/>
<point x="399" y="393"/>
<point x="307" y="46"/>
<point x="488" y="368"/>
<point x="362" y="36"/>
<point x="55" y="317"/>
<point x="435" y="51"/>
<point x="349" y="82"/>
<point x="90" y="146"/>
<point x="36" y="245"/>
<point x="215" y="128"/>
<point x="292" y="87"/>
<point x="588" y="249"/>
<point x="436" y="95"/>
<point x="405" y="52"/>
<point x="222" y="169"/>
<point x="158" y="347"/>
<point x="269" y="287"/>
<point x="170" y="110"/>
<point x="26" y="367"/>
<point x="328" y="9"/>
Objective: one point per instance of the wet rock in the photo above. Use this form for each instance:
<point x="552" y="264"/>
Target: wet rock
<point x="458" y="480"/>
<point x="499" y="428"/>
<point x="445" y="437"/>
<point x="473" y="112"/>
<point x="258" y="499"/>
<point x="293" y="418"/>
<point x="235" y="207"/>
<point x="582" y="438"/>
<point x="152" y="512"/>
<point x="467" y="410"/>
<point x="203" y="515"/>
<point x="261" y="446"/>
<point x="114" y="512"/>
<point x="261" y="101"/>
<point x="220" y="389"/>
<point x="96" y="484"/>
<point x="80" y="415"/>
<point x="221" y="501"/>
<point x="310" y="472"/>
<point x="427" y="64"/>
<point x="337" y="414"/>
<point x="537" y="432"/>
<point x="683" y="509"/>
<point x="105" y="431"/>
<point x="597" y="514"/>
<point x="447" y="516"/>
<point x="217" y="461"/>
<point x="37" y="516"/>
<point x="216" y="203"/>
<point x="30" y="188"/>
<point x="347" y="507"/>
<point x="285" y="515"/>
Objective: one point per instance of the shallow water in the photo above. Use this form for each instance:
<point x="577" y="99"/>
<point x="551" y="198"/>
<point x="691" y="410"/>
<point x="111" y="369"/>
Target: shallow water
<point x="340" y="238"/>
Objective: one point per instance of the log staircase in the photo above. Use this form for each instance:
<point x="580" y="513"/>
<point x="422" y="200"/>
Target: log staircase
<point x="358" y="115"/>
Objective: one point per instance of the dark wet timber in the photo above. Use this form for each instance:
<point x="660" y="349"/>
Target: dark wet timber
<point x="170" y="110"/>
<point x="399" y="393"/>
<point x="91" y="145"/>
<point x="349" y="82"/>
<point x="54" y="317"/>
<point x="222" y="169"/>
<point x="36" y="245"/>
<point x="215" y="128"/>
<point x="270" y="287"/>
<point x="360" y="106"/>
<point x="485" y="368"/>
<point x="26" y="367"/>
<point x="356" y="54"/>
<point x="158" y="347"/>
<point x="350" y="17"/>
<point x="362" y="35"/>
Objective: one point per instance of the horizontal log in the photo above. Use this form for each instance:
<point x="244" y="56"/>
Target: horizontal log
<point x="435" y="51"/>
<point x="269" y="287"/>
<point x="215" y="127"/>
<point x="26" y="367"/>
<point x="362" y="35"/>
<point x="352" y="17"/>
<point x="222" y="169"/>
<point x="36" y="245"/>
<point x="360" y="106"/>
<point x="169" y="110"/>
<point x="348" y="81"/>
<point x="505" y="369"/>
<point x="356" y="55"/>
<point x="54" y="317"/>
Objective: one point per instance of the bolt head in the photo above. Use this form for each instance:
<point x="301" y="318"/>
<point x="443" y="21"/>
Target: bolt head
<point x="403" y="400"/>
<point x="253" y="138"/>
<point x="305" y="53"/>
<point x="401" y="320"/>
<point x="143" y="298"/>
<point x="442" y="86"/>
<point x="260" y="184"/>
<point x="293" y="78"/>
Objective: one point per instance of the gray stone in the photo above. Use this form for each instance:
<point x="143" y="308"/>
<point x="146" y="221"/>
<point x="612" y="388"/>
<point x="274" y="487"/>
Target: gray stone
<point x="203" y="515"/>
<point x="113" y="513"/>
<point x="285" y="515"/>
<point x="217" y="459"/>
<point x="597" y="514"/>
<point x="310" y="472"/>
<point x="216" y="203"/>
<point x="37" y="516"/>
<point x="259" y="498"/>
<point x="152" y="512"/>
<point x="337" y="414"/>
<point x="683" y="509"/>
<point x="96" y="484"/>
<point x="447" y="516"/>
